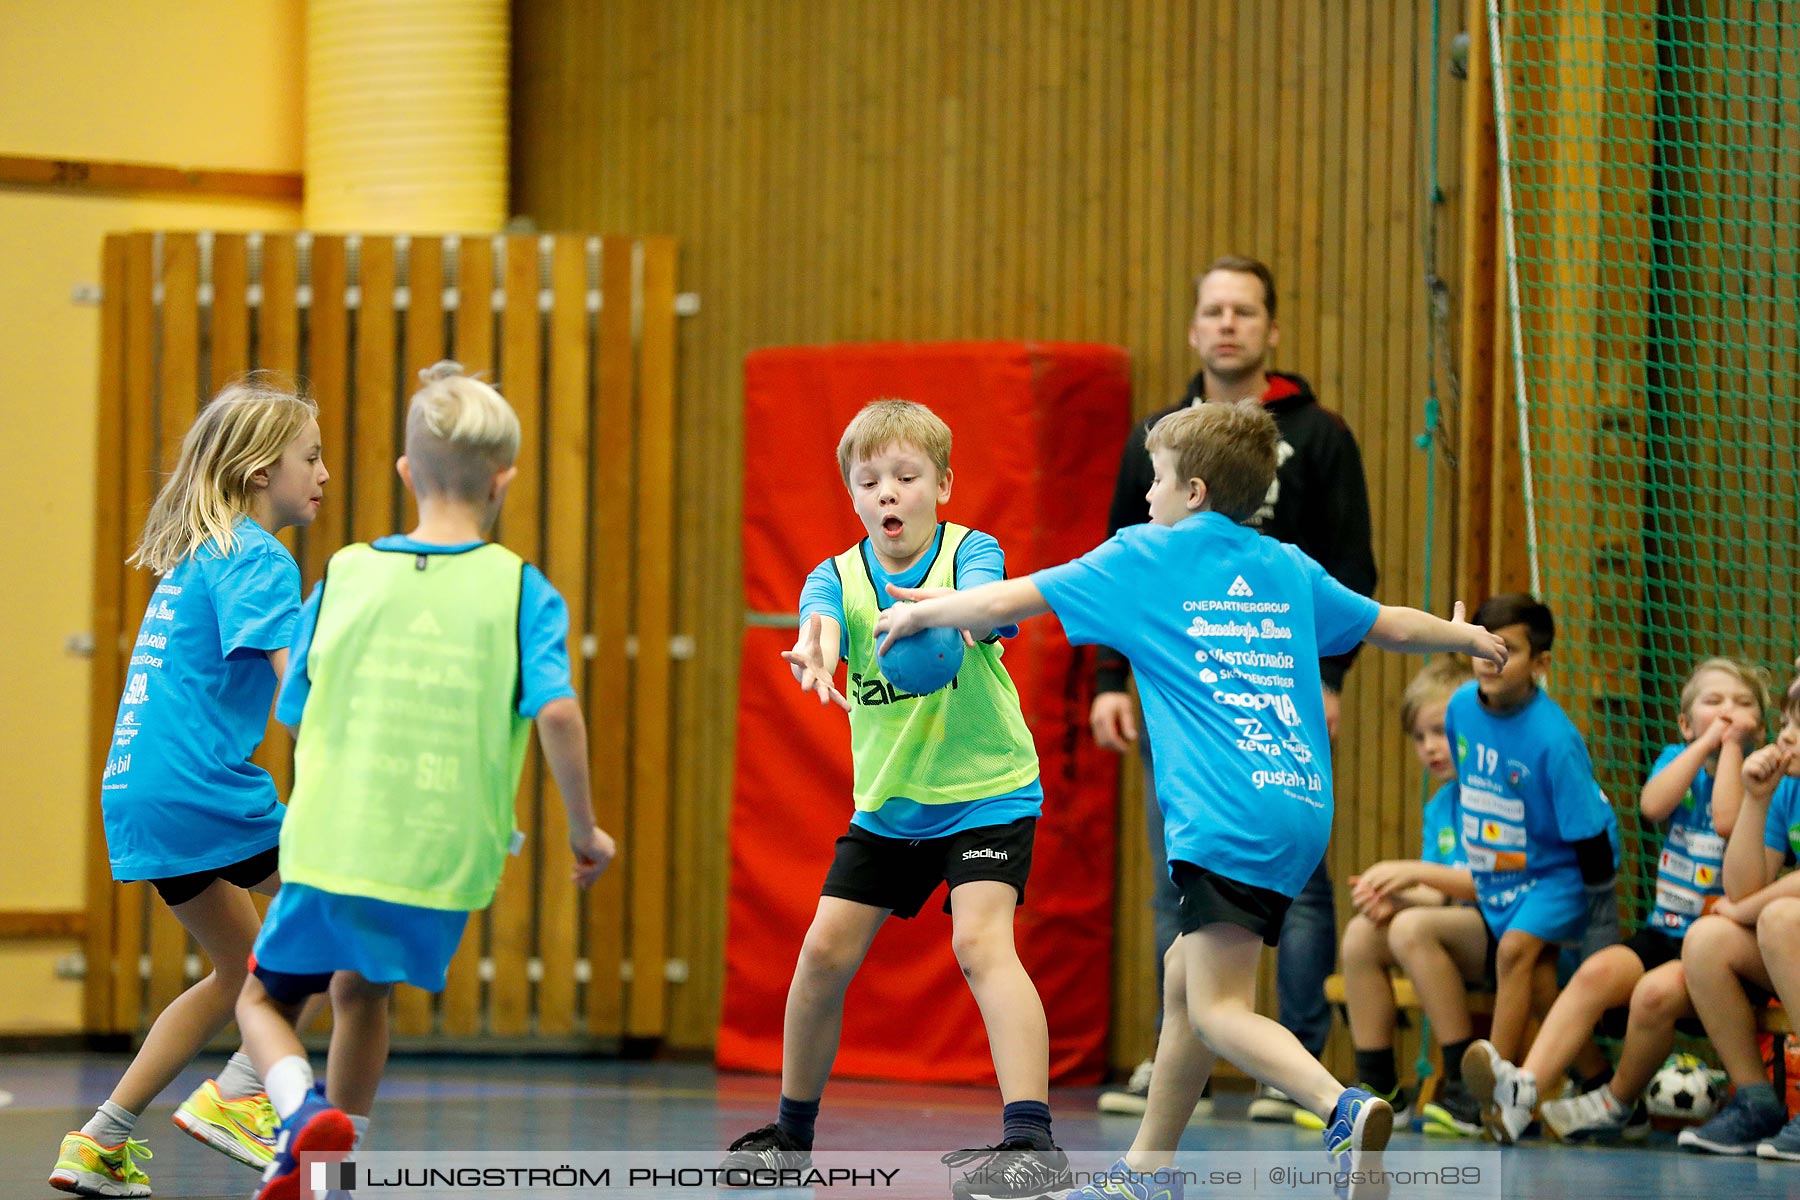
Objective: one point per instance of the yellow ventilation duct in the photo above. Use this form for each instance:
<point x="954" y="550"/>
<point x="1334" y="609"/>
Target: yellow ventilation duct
<point x="406" y="121"/>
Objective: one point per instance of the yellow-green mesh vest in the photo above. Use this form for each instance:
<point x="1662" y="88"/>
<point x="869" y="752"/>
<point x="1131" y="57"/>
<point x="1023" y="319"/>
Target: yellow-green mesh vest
<point x="411" y="746"/>
<point x="967" y="741"/>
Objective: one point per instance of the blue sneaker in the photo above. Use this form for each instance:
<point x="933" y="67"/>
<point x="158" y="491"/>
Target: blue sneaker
<point x="1122" y="1183"/>
<point x="1360" y="1127"/>
<point x="1784" y="1146"/>
<point x="317" y="1128"/>
<point x="1738" y="1128"/>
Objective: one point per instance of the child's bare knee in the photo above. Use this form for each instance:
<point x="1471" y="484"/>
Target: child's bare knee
<point x="827" y="952"/>
<point x="351" y="991"/>
<point x="1359" y="937"/>
<point x="1779" y="923"/>
<point x="1517" y="952"/>
<point x="1706" y="940"/>
<point x="1408" y="932"/>
<point x="1660" y="998"/>
<point x="980" y="948"/>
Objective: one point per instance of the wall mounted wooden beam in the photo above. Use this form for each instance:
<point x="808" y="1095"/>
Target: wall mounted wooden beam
<point x="78" y="174"/>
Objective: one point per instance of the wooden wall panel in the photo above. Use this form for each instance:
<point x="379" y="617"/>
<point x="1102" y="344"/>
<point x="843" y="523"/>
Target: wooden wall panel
<point x="1015" y="168"/>
<point x="578" y="351"/>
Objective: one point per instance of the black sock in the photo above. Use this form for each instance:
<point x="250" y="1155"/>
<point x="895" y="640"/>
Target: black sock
<point x="796" y="1118"/>
<point x="1375" y="1070"/>
<point x="1027" y="1121"/>
<point x="1453" y="1056"/>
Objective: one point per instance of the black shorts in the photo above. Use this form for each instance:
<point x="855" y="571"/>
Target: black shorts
<point x="1208" y="898"/>
<point x="1490" y="962"/>
<point x="179" y="889"/>
<point x="900" y="874"/>
<point x="286" y="988"/>
<point x="1654" y="948"/>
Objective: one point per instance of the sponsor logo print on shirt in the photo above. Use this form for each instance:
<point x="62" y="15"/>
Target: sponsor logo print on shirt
<point x="1283" y="706"/>
<point x="425" y="625"/>
<point x="1252" y="737"/>
<point x="137" y="690"/>
<point x="1239" y="588"/>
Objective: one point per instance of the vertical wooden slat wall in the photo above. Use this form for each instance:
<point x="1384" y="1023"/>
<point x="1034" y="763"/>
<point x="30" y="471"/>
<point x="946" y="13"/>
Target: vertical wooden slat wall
<point x="1014" y="168"/>
<point x="580" y="336"/>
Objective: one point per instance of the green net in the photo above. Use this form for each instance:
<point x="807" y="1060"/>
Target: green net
<point x="1651" y="193"/>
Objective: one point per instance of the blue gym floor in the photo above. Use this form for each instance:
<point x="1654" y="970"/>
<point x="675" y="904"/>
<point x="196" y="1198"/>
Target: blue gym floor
<point x="470" y="1103"/>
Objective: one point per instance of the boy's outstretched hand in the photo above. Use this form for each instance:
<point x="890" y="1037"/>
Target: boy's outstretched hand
<point x="807" y="661"/>
<point x="1482" y="644"/>
<point x="914" y="595"/>
<point x="594" y="850"/>
<point x="898" y="620"/>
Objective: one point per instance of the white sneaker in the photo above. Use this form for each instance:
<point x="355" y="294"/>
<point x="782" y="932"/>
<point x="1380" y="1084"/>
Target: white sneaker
<point x="1506" y="1094"/>
<point x="1594" y="1114"/>
<point x="1273" y="1104"/>
<point x="1134" y="1098"/>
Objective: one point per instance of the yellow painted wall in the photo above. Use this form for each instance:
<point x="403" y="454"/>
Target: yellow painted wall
<point x="210" y="83"/>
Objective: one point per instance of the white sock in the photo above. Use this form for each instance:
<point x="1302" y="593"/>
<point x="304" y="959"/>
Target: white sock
<point x="288" y="1082"/>
<point x="361" y="1125"/>
<point x="239" y="1078"/>
<point x="110" y="1124"/>
<point x="1614" y="1106"/>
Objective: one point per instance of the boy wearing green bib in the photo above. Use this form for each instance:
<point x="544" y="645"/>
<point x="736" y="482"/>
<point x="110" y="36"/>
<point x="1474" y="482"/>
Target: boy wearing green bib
<point x="946" y="791"/>
<point x="418" y="666"/>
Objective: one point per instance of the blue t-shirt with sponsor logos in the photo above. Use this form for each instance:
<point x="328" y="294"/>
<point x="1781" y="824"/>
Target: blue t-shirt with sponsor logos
<point x="1690" y="873"/>
<point x="1781" y="831"/>
<point x="180" y="793"/>
<point x="1440" y="830"/>
<point x="979" y="560"/>
<point x="1527" y="794"/>
<point x="1224" y="629"/>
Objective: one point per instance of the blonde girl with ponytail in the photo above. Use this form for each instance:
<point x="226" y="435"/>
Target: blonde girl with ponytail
<point x="184" y="807"/>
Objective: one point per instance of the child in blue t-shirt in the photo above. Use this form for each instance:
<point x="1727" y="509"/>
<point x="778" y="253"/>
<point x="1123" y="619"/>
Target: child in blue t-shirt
<point x="419" y="664"/>
<point x="1224" y="630"/>
<point x="931" y="809"/>
<point x="1724" y="711"/>
<point x="1541" y="837"/>
<point x="1407" y="913"/>
<point x="184" y="807"/>
<point x="1747" y="951"/>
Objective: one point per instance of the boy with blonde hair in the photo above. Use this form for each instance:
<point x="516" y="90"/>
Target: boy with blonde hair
<point x="1746" y="950"/>
<point x="418" y="666"/>
<point x="1408" y="915"/>
<point x="1224" y="629"/>
<point x="930" y="808"/>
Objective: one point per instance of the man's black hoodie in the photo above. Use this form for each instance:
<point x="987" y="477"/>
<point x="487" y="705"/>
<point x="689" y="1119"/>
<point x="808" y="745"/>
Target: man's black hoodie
<point x="1320" y="500"/>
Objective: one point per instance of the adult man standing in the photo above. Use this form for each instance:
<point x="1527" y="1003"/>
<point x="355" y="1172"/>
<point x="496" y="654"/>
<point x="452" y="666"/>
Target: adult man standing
<point x="1320" y="503"/>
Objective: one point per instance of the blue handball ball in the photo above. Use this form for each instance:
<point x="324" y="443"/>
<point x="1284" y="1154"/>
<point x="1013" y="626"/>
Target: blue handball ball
<point x="924" y="662"/>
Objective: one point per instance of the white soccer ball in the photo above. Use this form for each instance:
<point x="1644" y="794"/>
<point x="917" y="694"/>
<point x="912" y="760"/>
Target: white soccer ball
<point x="1684" y="1088"/>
